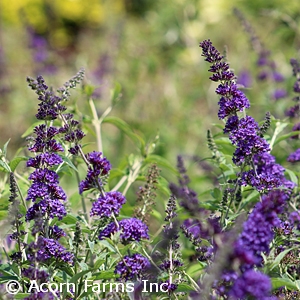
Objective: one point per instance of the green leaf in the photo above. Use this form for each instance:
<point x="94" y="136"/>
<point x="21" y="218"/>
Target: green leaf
<point x="252" y="197"/>
<point x="115" y="173"/>
<point x="123" y="126"/>
<point x="91" y="246"/>
<point x="184" y="288"/>
<point x="116" y="93"/>
<point x="292" y="176"/>
<point x="157" y="215"/>
<point x="8" y="278"/>
<point x="6" y="269"/>
<point x="99" y="263"/>
<point x="217" y="194"/>
<point x="104" y="275"/>
<point x="69" y="219"/>
<point x="285" y="282"/>
<point x="163" y="185"/>
<point x="75" y="200"/>
<point x="279" y="257"/>
<point x="15" y="162"/>
<point x="5" y="148"/>
<point x="194" y="270"/>
<point x="286" y="136"/>
<point x="21" y="295"/>
<point x="160" y="161"/>
<point x="5" y="166"/>
<point x="278" y="129"/>
<point x="77" y="276"/>
<point x="88" y="90"/>
<point x="223" y="141"/>
<point x="68" y="162"/>
<point x="108" y="245"/>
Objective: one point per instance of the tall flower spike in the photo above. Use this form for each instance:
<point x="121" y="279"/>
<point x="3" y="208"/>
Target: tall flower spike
<point x="257" y="231"/>
<point x="47" y="196"/>
<point x="244" y="132"/>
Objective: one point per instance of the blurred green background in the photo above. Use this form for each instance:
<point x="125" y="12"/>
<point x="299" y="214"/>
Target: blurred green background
<point x="152" y="49"/>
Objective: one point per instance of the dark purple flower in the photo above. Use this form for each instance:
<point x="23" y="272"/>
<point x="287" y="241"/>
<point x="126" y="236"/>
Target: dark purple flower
<point x="168" y="287"/>
<point x="294" y="157"/>
<point x="246" y="129"/>
<point x="252" y="284"/>
<point x="263" y="75"/>
<point x="165" y="266"/>
<point x="232" y="124"/>
<point x="296" y="127"/>
<point x="108" y="204"/>
<point x="232" y="99"/>
<point x="132" y="267"/>
<point x="293" y="111"/>
<point x="188" y="197"/>
<point x="35" y="274"/>
<point x="46" y="249"/>
<point x="257" y="231"/>
<point x="297" y="86"/>
<point x="193" y="226"/>
<point x="52" y="207"/>
<point x="42" y="190"/>
<point x="244" y="133"/>
<point x="131" y="230"/>
<point x="267" y="175"/>
<point x="55" y="232"/>
<point x="99" y="166"/>
<point x="44" y="159"/>
<point x="277" y="77"/>
<point x="44" y="175"/>
<point x="279" y="94"/>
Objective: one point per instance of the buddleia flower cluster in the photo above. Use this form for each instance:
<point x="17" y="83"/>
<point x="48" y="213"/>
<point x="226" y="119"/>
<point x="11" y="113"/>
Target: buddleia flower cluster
<point x="252" y="149"/>
<point x="45" y="193"/>
<point x="107" y="206"/>
<point x="239" y="277"/>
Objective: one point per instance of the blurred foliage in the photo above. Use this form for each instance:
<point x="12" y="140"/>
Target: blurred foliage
<point x="151" y="49"/>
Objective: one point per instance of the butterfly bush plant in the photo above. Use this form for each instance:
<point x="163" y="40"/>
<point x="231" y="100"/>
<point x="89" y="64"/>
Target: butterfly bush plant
<point x="241" y="243"/>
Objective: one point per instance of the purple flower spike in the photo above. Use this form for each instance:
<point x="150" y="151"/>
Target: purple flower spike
<point x="132" y="267"/>
<point x="294" y="157"/>
<point x="252" y="284"/>
<point x="108" y="204"/>
<point x="131" y="230"/>
<point x="258" y="229"/>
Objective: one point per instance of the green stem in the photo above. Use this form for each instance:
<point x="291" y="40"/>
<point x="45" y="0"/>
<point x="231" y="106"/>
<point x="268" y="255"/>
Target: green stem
<point x="193" y="282"/>
<point x="234" y="195"/>
<point x="82" y="198"/>
<point x="132" y="175"/>
<point x="97" y="124"/>
<point x="120" y="183"/>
